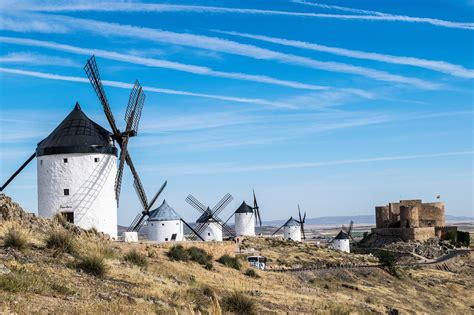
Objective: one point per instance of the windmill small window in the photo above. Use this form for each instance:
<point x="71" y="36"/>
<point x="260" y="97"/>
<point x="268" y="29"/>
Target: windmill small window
<point x="66" y="192"/>
<point x="41" y="162"/>
<point x="65" y="160"/>
<point x="96" y="160"/>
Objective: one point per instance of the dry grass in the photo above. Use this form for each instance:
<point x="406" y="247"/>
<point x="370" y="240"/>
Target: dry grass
<point x="61" y="240"/>
<point x="15" y="237"/>
<point x="168" y="286"/>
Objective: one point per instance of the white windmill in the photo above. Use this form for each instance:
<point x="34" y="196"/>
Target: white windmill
<point x="293" y="229"/>
<point x="209" y="227"/>
<point x="164" y="224"/>
<point x="246" y="218"/>
<point x="77" y="163"/>
<point x="342" y="240"/>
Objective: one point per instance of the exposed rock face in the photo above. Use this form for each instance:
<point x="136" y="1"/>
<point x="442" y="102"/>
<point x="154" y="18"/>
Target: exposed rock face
<point x="13" y="212"/>
<point x="10" y="210"/>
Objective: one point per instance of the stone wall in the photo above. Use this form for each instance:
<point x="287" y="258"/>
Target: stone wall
<point x="407" y="234"/>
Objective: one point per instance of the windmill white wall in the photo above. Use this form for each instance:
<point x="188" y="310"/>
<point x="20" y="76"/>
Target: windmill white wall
<point x="342" y="245"/>
<point x="162" y="231"/>
<point x="292" y="232"/>
<point x="90" y="179"/>
<point x="212" y="232"/>
<point x="245" y="224"/>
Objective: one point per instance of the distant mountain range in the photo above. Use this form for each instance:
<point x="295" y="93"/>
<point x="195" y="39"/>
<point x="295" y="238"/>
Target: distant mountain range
<point x="358" y="219"/>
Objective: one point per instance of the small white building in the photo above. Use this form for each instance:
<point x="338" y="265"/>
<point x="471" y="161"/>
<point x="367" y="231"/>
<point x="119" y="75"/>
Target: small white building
<point x="244" y="220"/>
<point x="292" y="230"/>
<point x="164" y="224"/>
<point x="76" y="170"/>
<point x="341" y="242"/>
<point x="212" y="230"/>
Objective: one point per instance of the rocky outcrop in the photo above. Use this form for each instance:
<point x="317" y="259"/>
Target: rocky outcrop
<point x="11" y="211"/>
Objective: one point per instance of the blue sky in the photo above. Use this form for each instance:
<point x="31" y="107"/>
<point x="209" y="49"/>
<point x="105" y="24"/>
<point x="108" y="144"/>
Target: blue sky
<point x="336" y="105"/>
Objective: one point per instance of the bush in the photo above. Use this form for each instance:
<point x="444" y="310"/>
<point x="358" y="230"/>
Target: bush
<point x="228" y="261"/>
<point x="239" y="303"/>
<point x="251" y="273"/>
<point x="178" y="253"/>
<point x="463" y="238"/>
<point x="389" y="261"/>
<point x="199" y="255"/>
<point x="134" y="257"/>
<point x="15" y="238"/>
<point x="92" y="263"/>
<point x="61" y="240"/>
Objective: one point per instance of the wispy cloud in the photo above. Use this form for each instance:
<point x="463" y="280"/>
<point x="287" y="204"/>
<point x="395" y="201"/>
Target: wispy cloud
<point x="440" y="66"/>
<point x="231" y="167"/>
<point x="30" y="58"/>
<point x="222" y="45"/>
<point x="159" y="63"/>
<point x="125" y="85"/>
<point x="152" y="7"/>
<point x="380" y="16"/>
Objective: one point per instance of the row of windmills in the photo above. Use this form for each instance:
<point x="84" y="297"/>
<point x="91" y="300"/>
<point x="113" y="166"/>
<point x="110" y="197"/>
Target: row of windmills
<point x="78" y="177"/>
<point x="165" y="224"/>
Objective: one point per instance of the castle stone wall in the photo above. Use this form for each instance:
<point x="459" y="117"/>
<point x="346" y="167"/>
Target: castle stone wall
<point x="410" y="219"/>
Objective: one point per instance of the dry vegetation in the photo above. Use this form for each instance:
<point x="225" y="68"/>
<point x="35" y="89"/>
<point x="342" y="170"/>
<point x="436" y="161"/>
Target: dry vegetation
<point x="99" y="276"/>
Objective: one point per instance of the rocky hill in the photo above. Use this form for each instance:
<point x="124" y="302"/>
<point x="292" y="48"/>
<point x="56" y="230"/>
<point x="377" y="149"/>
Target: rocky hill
<point x="53" y="267"/>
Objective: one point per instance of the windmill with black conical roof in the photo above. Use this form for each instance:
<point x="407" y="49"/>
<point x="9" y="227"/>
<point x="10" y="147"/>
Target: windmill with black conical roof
<point x="293" y="229"/>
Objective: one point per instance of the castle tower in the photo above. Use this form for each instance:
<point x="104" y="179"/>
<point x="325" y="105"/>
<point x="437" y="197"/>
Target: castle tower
<point x="164" y="224"/>
<point x="76" y="169"/>
<point x="244" y="220"/>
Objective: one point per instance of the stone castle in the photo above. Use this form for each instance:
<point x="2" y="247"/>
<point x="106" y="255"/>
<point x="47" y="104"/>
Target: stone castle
<point x="411" y="220"/>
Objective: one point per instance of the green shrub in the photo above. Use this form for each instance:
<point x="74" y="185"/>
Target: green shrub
<point x="463" y="238"/>
<point x="61" y="240"/>
<point x="92" y="263"/>
<point x="15" y="238"/>
<point x="239" y="303"/>
<point x="229" y="261"/>
<point x="199" y="255"/>
<point x="178" y="253"/>
<point x="134" y="257"/>
<point x="251" y="273"/>
<point x="389" y="261"/>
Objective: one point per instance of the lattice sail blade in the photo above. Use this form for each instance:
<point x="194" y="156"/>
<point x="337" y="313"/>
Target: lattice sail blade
<point x="196" y="204"/>
<point x="92" y="72"/>
<point x="222" y="204"/>
<point x="134" y="107"/>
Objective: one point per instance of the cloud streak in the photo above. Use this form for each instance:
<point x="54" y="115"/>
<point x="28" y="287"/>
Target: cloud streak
<point x="36" y="59"/>
<point x="435" y="65"/>
<point x="221" y="45"/>
<point x="380" y="16"/>
<point x="235" y="168"/>
<point x="162" y="8"/>
<point x="124" y="85"/>
<point x="158" y="63"/>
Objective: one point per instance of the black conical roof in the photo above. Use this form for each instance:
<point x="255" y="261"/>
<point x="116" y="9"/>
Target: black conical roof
<point x="342" y="236"/>
<point x="77" y="134"/>
<point x="244" y="208"/>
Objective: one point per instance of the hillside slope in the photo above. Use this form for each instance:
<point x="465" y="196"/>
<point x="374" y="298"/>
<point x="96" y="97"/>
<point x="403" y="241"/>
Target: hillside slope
<point x="38" y="278"/>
